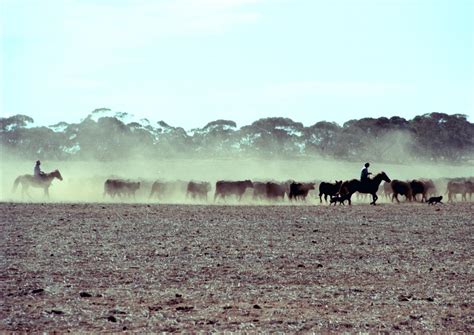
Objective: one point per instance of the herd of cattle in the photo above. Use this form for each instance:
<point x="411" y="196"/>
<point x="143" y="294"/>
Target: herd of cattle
<point x="272" y="190"/>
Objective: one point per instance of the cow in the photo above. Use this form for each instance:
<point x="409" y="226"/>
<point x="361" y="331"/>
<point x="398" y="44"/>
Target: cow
<point x="119" y="187"/>
<point x="236" y="188"/>
<point x="418" y="187"/>
<point x="277" y="190"/>
<point x="299" y="191"/>
<point x="328" y="189"/>
<point x="169" y="189"/>
<point x="158" y="189"/>
<point x="454" y="188"/>
<point x="198" y="189"/>
<point x="469" y="188"/>
<point x="387" y="190"/>
<point x="430" y="187"/>
<point x="259" y="190"/>
<point x="400" y="188"/>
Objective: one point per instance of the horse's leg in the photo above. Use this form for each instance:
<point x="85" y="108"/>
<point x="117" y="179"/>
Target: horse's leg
<point x="374" y="198"/>
<point x="46" y="192"/>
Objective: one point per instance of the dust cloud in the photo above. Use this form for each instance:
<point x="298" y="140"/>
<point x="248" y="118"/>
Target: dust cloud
<point x="83" y="181"/>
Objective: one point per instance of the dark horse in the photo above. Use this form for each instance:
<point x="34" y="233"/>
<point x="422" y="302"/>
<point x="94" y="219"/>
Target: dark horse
<point x="370" y="186"/>
<point x="43" y="182"/>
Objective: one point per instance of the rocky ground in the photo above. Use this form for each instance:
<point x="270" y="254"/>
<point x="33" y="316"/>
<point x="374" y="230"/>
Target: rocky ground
<point x="153" y="268"/>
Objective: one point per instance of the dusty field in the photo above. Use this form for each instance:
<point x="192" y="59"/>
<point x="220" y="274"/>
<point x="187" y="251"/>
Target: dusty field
<point x="114" y="267"/>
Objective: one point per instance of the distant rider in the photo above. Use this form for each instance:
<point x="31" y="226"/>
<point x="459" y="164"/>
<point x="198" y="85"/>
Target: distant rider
<point x="38" y="173"/>
<point x="364" y="174"/>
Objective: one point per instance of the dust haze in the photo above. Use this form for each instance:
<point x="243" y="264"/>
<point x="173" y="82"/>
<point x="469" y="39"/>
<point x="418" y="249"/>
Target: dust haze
<point x="83" y="181"/>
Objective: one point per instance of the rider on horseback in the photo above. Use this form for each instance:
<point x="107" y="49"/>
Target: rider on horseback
<point x="364" y="174"/>
<point x="38" y="173"/>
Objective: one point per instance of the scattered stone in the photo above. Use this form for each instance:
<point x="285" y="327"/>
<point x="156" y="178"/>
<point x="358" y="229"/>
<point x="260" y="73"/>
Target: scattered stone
<point x="184" y="308"/>
<point x="56" y="311"/>
<point x="319" y="265"/>
<point x="116" y="311"/>
<point x="257" y="306"/>
<point x="85" y="295"/>
<point x="38" y="290"/>
<point x="112" y="318"/>
<point x="405" y="297"/>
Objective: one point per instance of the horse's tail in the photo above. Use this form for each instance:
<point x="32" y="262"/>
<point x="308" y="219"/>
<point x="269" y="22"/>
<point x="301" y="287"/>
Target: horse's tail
<point x="15" y="183"/>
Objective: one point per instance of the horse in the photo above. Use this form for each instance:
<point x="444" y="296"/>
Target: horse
<point x="44" y="181"/>
<point x="371" y="186"/>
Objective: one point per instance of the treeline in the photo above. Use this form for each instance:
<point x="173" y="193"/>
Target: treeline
<point x="104" y="135"/>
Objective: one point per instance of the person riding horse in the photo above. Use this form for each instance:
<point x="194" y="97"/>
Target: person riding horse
<point x="364" y="174"/>
<point x="37" y="171"/>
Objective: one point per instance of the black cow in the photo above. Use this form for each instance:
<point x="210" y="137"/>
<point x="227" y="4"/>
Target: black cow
<point x="199" y="190"/>
<point x="119" y="187"/>
<point x="329" y="189"/>
<point x="400" y="188"/>
<point x="418" y="187"/>
<point x="226" y="188"/>
<point x="299" y="191"/>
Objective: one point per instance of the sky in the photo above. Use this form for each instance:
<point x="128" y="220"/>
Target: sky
<point x="189" y="62"/>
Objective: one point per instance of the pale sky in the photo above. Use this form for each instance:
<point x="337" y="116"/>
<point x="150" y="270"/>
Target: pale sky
<point x="189" y="62"/>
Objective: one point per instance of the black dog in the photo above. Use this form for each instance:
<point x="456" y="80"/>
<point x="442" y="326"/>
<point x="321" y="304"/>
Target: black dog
<point x="434" y="200"/>
<point x="338" y="198"/>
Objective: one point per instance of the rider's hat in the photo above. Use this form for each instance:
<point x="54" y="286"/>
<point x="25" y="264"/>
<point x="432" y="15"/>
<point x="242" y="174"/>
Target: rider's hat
<point x="38" y="162"/>
<point x="367" y="165"/>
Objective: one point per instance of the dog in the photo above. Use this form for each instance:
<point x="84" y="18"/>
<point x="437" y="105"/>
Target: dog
<point x="435" y="200"/>
<point x="338" y="198"/>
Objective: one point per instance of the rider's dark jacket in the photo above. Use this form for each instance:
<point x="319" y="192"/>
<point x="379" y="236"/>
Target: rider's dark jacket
<point x="38" y="171"/>
<point x="364" y="174"/>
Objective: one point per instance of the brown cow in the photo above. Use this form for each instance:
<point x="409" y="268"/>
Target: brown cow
<point x="387" y="190"/>
<point x="199" y="190"/>
<point x="226" y="188"/>
<point x="162" y="189"/>
<point x="469" y="188"/>
<point x="430" y="187"/>
<point x="120" y="187"/>
<point x="401" y="188"/>
<point x="277" y="190"/>
<point x="259" y="190"/>
<point x="454" y="188"/>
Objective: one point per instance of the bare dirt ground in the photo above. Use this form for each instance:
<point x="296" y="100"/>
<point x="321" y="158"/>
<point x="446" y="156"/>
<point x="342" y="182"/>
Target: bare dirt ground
<point x="144" y="267"/>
